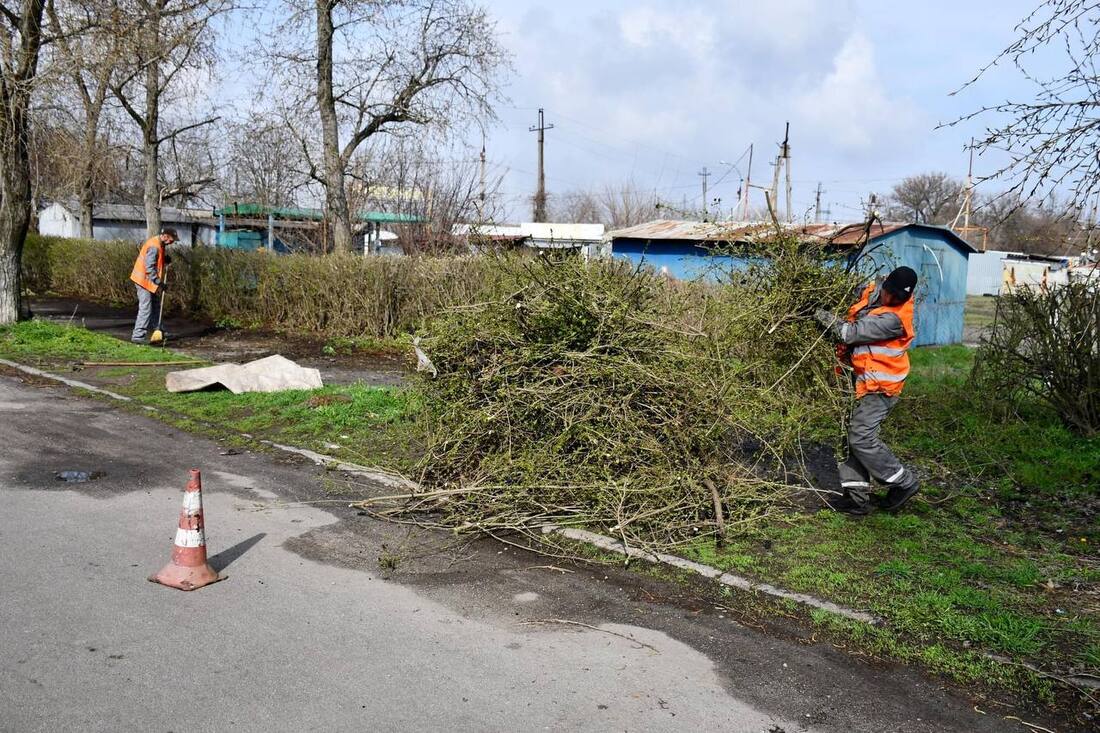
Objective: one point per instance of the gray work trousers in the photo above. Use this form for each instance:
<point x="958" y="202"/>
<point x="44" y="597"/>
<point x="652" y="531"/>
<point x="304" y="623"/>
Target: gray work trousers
<point x="147" y="315"/>
<point x="868" y="457"/>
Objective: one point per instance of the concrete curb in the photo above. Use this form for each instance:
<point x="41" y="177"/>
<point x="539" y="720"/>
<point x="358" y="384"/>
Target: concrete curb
<point x="728" y="579"/>
<point x="577" y="535"/>
<point x="66" y="381"/>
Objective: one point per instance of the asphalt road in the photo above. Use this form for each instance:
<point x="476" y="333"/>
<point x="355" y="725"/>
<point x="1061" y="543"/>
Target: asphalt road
<point x="309" y="632"/>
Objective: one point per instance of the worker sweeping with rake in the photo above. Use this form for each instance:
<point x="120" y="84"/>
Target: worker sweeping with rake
<point x="148" y="276"/>
<point x="876" y="335"/>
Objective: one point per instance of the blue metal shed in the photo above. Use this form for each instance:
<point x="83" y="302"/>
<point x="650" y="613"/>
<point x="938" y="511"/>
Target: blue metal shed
<point x="684" y="250"/>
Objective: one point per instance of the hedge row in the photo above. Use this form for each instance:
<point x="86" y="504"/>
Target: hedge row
<point x="334" y="296"/>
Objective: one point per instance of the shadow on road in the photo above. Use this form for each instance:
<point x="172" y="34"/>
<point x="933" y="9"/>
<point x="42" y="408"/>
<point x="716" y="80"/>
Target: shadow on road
<point x="223" y="559"/>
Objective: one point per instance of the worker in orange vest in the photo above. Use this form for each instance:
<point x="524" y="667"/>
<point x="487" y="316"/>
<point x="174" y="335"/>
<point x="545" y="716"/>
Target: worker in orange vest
<point x="875" y="334"/>
<point x="148" y="278"/>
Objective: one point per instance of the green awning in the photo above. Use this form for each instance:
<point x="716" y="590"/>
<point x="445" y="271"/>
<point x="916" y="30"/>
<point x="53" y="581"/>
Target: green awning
<point x="260" y="211"/>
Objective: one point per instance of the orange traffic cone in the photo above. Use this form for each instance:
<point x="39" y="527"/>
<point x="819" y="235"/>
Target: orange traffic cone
<point x="188" y="568"/>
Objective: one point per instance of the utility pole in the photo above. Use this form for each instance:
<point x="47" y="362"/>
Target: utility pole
<point x="783" y="160"/>
<point x="745" y="190"/>
<point x="817" y="204"/>
<point x="704" y="174"/>
<point x="968" y="195"/>
<point x="969" y="186"/>
<point x="787" y="160"/>
<point x="540" y="194"/>
<point x="481" y="190"/>
<point x="872" y="206"/>
<point x="968" y="203"/>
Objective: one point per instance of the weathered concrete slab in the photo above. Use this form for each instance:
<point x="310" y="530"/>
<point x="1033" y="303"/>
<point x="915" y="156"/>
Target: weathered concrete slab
<point x="271" y="374"/>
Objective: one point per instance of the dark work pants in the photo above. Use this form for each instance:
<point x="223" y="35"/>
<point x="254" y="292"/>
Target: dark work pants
<point x="868" y="457"/>
<point x="148" y="312"/>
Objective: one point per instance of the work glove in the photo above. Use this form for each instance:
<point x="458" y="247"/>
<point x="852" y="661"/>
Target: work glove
<point x="825" y="318"/>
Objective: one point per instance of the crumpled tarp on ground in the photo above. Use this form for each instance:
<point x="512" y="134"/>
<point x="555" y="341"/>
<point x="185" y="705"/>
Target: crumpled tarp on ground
<point x="270" y="374"/>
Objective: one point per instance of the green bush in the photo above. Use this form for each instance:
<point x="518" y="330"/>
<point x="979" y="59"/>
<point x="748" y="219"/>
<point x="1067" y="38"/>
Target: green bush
<point x="335" y="296"/>
<point x="1045" y="344"/>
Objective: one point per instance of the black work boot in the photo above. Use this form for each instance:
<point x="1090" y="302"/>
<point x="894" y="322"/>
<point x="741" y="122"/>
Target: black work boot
<point x="897" y="496"/>
<point x="847" y="505"/>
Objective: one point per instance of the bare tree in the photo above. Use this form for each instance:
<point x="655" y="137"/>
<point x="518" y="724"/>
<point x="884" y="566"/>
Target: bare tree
<point x="625" y="205"/>
<point x="174" y="38"/>
<point x="1051" y="139"/>
<point x="380" y="67"/>
<point x="927" y="198"/>
<point x="616" y="205"/>
<point x="1049" y="227"/>
<point x="19" y="53"/>
<point x="88" y="63"/>
<point x="580" y="207"/>
<point x="437" y="185"/>
<point x="266" y="163"/>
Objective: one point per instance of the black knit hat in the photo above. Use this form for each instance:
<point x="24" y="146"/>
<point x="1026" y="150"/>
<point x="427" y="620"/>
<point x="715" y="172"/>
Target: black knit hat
<point x="901" y="282"/>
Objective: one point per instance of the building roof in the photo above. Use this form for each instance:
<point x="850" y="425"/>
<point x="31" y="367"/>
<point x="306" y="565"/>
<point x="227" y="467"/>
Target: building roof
<point x="563" y="231"/>
<point x="168" y="214"/>
<point x="542" y="235"/>
<point x="748" y="232"/>
<point x="287" y="212"/>
<point x="132" y="213"/>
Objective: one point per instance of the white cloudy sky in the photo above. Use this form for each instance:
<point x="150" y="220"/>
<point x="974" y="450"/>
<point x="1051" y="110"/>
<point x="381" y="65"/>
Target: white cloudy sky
<point x="650" y="91"/>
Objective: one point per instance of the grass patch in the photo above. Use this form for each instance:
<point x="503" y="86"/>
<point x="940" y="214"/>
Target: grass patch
<point x="980" y="311"/>
<point x="40" y="342"/>
<point x="953" y="434"/>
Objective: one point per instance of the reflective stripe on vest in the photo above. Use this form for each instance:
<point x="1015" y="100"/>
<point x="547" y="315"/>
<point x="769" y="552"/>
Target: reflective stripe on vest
<point x="880" y="350"/>
<point x="138" y="274"/>
<point x="882" y="367"/>
<point x="881" y="376"/>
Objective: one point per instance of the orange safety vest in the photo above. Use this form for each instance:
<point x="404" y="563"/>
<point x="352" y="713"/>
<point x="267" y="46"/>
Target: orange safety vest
<point x="138" y="274"/>
<point x="884" y="365"/>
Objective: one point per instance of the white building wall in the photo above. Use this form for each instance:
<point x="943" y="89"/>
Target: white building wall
<point x="985" y="272"/>
<point x="1033" y="273"/>
<point x="57" y="221"/>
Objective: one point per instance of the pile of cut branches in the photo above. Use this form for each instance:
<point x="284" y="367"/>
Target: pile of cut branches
<point x="598" y="395"/>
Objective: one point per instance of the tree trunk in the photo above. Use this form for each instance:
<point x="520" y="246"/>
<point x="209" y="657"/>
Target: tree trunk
<point x="87" y="210"/>
<point x="336" y="197"/>
<point x="150" y="144"/>
<point x="15" y="171"/>
<point x="15" y="208"/>
<point x="151" y="158"/>
<point x="87" y="181"/>
<point x="10" y="284"/>
<point x="15" y="212"/>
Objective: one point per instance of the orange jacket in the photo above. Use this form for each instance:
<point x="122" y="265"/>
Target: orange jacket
<point x="882" y="366"/>
<point x="141" y="274"/>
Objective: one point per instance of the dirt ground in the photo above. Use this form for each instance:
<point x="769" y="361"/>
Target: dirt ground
<point x="212" y="343"/>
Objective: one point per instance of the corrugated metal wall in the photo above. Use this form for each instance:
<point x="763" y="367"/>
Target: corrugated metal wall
<point x="941" y="292"/>
<point x="942" y="267"/>
<point x="983" y="277"/>
<point x="681" y="260"/>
